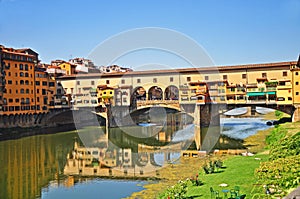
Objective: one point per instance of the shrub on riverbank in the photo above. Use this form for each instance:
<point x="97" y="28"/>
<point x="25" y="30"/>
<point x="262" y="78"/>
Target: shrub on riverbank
<point x="282" y="171"/>
<point x="276" y="134"/>
<point x="285" y="147"/>
<point x="177" y="191"/>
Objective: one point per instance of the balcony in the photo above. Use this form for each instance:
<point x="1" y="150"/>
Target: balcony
<point x="213" y="87"/>
<point x="285" y="84"/>
<point x="284" y="87"/>
<point x="271" y="88"/>
<point x="201" y="91"/>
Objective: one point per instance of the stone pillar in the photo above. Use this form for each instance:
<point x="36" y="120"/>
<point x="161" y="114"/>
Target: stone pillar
<point x="133" y="102"/>
<point x="110" y="120"/>
<point x="209" y="126"/>
<point x="209" y="115"/>
<point x="253" y="109"/>
<point x="167" y="157"/>
<point x="197" y="129"/>
<point x="296" y="114"/>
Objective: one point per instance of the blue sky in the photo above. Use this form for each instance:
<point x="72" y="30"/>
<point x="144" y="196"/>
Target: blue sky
<point x="231" y="31"/>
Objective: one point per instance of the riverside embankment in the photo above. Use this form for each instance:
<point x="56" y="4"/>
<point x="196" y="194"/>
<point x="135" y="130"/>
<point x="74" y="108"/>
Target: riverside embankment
<point x="186" y="168"/>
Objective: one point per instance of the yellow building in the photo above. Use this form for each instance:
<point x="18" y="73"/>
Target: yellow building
<point x="199" y="92"/>
<point x="284" y="92"/>
<point x="296" y="85"/>
<point x="105" y="95"/>
<point x="68" y="68"/>
<point x="217" y="91"/>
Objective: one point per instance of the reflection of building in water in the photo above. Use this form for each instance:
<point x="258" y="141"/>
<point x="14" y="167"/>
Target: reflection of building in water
<point x="139" y="161"/>
<point x="28" y="164"/>
<point x="125" y="157"/>
<point x="130" y="150"/>
<point x="110" y="161"/>
<point x="69" y="181"/>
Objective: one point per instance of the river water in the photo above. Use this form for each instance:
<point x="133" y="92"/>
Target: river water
<point x="112" y="165"/>
<point x="241" y="128"/>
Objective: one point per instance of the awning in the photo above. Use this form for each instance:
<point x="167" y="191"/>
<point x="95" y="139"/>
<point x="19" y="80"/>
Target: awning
<point x="271" y="93"/>
<point x="261" y="93"/>
<point x="256" y="94"/>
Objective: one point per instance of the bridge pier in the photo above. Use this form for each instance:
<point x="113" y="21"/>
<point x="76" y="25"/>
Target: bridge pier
<point x="207" y="126"/>
<point x="116" y="116"/>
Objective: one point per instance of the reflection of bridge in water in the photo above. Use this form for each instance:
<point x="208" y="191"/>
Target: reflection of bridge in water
<point x="206" y="116"/>
<point x="117" y="154"/>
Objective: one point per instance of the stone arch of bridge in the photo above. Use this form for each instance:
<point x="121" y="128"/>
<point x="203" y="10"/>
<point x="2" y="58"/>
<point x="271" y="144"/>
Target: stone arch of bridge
<point x="168" y="106"/>
<point x="148" y="86"/>
<point x="155" y="93"/>
<point x="139" y="93"/>
<point x="171" y="93"/>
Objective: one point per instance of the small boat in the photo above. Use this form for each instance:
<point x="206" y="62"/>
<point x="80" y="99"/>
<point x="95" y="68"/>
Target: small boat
<point x="146" y="124"/>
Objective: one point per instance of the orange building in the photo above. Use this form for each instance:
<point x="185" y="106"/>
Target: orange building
<point x="45" y="90"/>
<point x="24" y="88"/>
<point x="18" y="80"/>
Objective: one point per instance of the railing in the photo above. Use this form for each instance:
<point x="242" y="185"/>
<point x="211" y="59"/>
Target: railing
<point x="271" y="88"/>
<point x="261" y="102"/>
<point x="157" y="102"/>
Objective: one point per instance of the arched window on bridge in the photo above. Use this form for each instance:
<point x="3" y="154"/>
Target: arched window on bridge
<point x="171" y="93"/>
<point x="155" y="93"/>
<point x="139" y="93"/>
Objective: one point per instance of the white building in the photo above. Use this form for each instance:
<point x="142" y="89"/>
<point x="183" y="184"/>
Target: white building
<point x="114" y="69"/>
<point x="82" y="64"/>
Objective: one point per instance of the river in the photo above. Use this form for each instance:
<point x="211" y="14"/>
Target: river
<point x="113" y="165"/>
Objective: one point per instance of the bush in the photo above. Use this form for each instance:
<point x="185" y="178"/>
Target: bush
<point x="276" y="134"/>
<point x="178" y="191"/>
<point x="285" y="147"/>
<point x="278" y="114"/>
<point x="282" y="171"/>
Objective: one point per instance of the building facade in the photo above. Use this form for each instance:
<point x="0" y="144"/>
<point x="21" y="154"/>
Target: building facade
<point x="82" y="64"/>
<point x="18" y="88"/>
<point x="27" y="90"/>
<point x="271" y="83"/>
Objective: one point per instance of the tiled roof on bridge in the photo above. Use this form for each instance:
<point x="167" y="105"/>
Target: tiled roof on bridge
<point x="184" y="70"/>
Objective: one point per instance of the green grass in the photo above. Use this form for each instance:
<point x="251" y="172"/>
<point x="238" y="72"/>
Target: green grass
<point x="239" y="171"/>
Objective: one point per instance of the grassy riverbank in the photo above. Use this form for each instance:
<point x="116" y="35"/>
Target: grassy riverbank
<point x="185" y="168"/>
<point x="239" y="170"/>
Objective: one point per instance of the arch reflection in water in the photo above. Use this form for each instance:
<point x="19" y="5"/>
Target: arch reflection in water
<point x="119" y="154"/>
